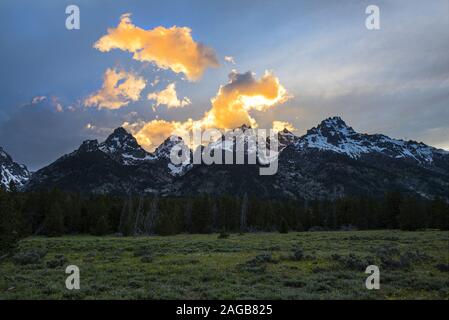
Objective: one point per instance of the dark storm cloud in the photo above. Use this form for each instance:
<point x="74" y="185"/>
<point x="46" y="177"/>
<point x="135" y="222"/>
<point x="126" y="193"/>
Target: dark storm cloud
<point x="37" y="134"/>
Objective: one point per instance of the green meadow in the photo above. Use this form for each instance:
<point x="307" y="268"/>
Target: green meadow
<point x="304" y="265"/>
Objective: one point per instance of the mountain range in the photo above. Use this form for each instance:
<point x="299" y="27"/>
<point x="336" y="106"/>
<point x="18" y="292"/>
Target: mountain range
<point x="331" y="160"/>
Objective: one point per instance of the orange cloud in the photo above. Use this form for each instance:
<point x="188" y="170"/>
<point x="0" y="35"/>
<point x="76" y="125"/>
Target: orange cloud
<point x="119" y="88"/>
<point x="169" y="97"/>
<point x="230" y="108"/>
<point x="169" y="48"/>
<point x="151" y="134"/>
<point x="243" y="93"/>
<point x="281" y="125"/>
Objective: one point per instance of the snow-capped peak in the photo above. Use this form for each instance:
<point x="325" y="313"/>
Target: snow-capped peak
<point x="12" y="171"/>
<point x="286" y="138"/>
<point x="227" y="141"/>
<point x="123" y="147"/>
<point x="120" y="145"/>
<point x="333" y="134"/>
<point x="164" y="150"/>
<point x="335" y="122"/>
<point x="333" y="128"/>
<point x="120" y="141"/>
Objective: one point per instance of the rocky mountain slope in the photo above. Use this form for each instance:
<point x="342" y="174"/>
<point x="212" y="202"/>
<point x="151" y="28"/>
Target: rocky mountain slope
<point x="329" y="161"/>
<point x="118" y="165"/>
<point x="334" y="135"/>
<point x="11" y="171"/>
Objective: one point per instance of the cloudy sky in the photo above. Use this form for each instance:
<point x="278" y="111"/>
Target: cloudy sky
<point x="159" y="67"/>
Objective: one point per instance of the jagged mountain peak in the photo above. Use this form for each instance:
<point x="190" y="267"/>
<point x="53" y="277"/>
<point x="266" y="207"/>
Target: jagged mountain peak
<point x="334" y="121"/>
<point x="120" y="145"/>
<point x="11" y="171"/>
<point x="244" y="127"/>
<point x="285" y="131"/>
<point x="227" y="140"/>
<point x="332" y="127"/>
<point x="333" y="134"/>
<point x="285" y="138"/>
<point x="120" y="131"/>
<point x="88" y="146"/>
<point x="163" y="153"/>
<point x="164" y="149"/>
<point x="3" y="154"/>
<point x="121" y="140"/>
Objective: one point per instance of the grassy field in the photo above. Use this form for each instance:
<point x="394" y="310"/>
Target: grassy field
<point x="307" y="265"/>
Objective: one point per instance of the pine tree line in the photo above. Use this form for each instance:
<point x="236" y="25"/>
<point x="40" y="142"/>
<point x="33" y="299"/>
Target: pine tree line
<point x="55" y="213"/>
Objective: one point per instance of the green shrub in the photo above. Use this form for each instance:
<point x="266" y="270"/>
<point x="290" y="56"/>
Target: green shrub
<point x="147" y="258"/>
<point x="58" y="261"/>
<point x="28" y="257"/>
<point x="298" y="254"/>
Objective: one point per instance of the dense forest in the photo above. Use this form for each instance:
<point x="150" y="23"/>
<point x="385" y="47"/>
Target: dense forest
<point x="55" y="213"/>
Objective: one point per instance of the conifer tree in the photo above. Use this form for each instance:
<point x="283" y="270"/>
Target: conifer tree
<point x="102" y="226"/>
<point x="152" y="216"/>
<point x="138" y="223"/>
<point x="54" y="220"/>
<point x="9" y="233"/>
<point x="244" y="214"/>
<point x="125" y="227"/>
<point x="411" y="214"/>
<point x="188" y="216"/>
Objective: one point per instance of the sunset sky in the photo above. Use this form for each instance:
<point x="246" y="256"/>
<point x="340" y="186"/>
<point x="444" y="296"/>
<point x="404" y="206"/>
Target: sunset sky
<point x="157" y="67"/>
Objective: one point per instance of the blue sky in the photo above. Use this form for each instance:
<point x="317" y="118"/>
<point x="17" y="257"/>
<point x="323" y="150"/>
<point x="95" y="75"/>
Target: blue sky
<point x="393" y="81"/>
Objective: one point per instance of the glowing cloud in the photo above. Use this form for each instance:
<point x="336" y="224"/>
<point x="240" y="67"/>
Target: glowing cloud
<point x="231" y="108"/>
<point x="151" y="134"/>
<point x="169" y="98"/>
<point x="281" y="125"/>
<point x="243" y="93"/>
<point x="54" y="101"/>
<point x="229" y="59"/>
<point x="119" y="88"/>
<point x="169" y="48"/>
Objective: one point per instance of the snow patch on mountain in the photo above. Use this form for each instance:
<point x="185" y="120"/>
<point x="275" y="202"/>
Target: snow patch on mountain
<point x="243" y="135"/>
<point x="163" y="153"/>
<point x="12" y="171"/>
<point x="334" y="135"/>
<point x="124" y="146"/>
<point x="120" y="145"/>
